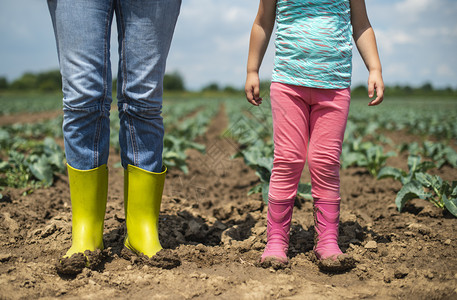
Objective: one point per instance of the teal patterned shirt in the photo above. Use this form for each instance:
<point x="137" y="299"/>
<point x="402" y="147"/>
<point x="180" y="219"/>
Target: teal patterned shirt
<point x="313" y="45"/>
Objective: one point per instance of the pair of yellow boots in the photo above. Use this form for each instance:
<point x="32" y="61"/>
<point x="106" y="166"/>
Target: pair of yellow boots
<point x="142" y="198"/>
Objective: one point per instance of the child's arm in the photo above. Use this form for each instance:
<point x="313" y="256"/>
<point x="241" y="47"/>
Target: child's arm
<point x="260" y="36"/>
<point x="366" y="44"/>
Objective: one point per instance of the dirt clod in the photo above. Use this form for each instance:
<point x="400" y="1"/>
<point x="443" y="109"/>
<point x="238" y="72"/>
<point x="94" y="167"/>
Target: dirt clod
<point x="271" y="262"/>
<point x="401" y="272"/>
<point x="164" y="259"/>
<point x="76" y="263"/>
<point x="342" y="263"/>
<point x="371" y="246"/>
<point x="72" y="265"/>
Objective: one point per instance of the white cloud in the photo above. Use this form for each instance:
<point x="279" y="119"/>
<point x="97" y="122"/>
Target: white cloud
<point x="232" y="44"/>
<point x="389" y="40"/>
<point x="397" y="70"/>
<point x="414" y="7"/>
<point x="445" y="33"/>
<point x="426" y="72"/>
<point x="445" y="70"/>
<point x="236" y="15"/>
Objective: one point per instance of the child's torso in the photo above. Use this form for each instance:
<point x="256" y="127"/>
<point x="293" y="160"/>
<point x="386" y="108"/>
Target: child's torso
<point x="313" y="43"/>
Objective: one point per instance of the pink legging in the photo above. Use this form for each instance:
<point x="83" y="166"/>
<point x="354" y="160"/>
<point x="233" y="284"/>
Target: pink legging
<point x="313" y="121"/>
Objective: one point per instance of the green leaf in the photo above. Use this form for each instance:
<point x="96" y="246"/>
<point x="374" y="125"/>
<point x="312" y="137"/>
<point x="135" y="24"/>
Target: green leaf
<point x="50" y="144"/>
<point x="172" y="155"/>
<point x="451" y="156"/>
<point x="431" y="149"/>
<point x="439" y="163"/>
<point x="265" y="190"/>
<point x="390" y="154"/>
<point x="200" y="147"/>
<point x="42" y="170"/>
<point x="411" y="190"/>
<point x="263" y="174"/>
<point x="57" y="160"/>
<point x="265" y="162"/>
<point x="454" y="189"/>
<point x="450" y="204"/>
<point x="413" y="162"/>
<point x="371" y="128"/>
<point x="425" y="179"/>
<point x="256" y="189"/>
<point x="367" y="146"/>
<point x="391" y="172"/>
<point x="425" y="166"/>
<point x="352" y="158"/>
<point x="415" y="165"/>
<point x="413" y="148"/>
<point x="5" y="139"/>
<point x="184" y="168"/>
<point x="304" y="191"/>
<point x="4" y="165"/>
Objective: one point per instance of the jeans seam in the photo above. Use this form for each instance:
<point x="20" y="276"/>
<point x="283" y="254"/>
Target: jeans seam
<point x="132" y="137"/>
<point x="121" y="31"/>
<point x="97" y="142"/>
<point x="105" y="60"/>
<point x="99" y="124"/>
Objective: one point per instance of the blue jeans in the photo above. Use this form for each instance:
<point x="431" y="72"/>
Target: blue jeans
<point x="82" y="29"/>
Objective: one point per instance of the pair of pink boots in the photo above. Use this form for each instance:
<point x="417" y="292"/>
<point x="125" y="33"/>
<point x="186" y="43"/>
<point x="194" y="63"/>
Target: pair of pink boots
<point x="326" y="221"/>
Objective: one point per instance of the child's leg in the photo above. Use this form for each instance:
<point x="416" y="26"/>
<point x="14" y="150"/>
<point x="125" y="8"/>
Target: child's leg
<point x="328" y="120"/>
<point x="291" y="134"/>
<point x="290" y="130"/>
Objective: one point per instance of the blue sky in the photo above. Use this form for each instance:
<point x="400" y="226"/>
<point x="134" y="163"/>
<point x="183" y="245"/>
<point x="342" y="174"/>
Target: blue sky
<point x="417" y="41"/>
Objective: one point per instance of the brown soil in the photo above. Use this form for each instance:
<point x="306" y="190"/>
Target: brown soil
<point x="218" y="234"/>
<point x="29" y="117"/>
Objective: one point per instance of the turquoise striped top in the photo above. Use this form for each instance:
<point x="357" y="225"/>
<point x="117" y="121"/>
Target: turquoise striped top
<point x="313" y="45"/>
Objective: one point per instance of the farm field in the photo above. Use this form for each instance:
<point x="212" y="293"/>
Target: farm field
<point x="400" y="155"/>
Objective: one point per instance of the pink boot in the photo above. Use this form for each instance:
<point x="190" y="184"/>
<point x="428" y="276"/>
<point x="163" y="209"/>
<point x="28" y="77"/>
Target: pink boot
<point x="326" y="221"/>
<point x="278" y="226"/>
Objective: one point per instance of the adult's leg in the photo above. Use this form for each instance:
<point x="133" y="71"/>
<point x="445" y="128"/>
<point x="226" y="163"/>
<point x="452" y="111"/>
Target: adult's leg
<point x="82" y="30"/>
<point x="145" y="31"/>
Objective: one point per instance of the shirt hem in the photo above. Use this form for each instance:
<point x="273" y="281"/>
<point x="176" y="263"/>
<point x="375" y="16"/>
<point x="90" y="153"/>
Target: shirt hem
<point x="320" y="85"/>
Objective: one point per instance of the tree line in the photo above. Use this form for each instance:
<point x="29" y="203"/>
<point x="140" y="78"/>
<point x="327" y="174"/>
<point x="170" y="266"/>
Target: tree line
<point x="45" y="81"/>
<point x="51" y="81"/>
<point x="426" y="89"/>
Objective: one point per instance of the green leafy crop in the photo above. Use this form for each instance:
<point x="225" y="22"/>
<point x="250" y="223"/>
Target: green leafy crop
<point x="364" y="154"/>
<point x="35" y="168"/>
<point x="418" y="184"/>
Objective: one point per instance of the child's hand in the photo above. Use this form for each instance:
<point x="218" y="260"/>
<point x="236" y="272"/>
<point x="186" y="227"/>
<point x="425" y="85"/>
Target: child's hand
<point x="252" y="89"/>
<point x="375" y="82"/>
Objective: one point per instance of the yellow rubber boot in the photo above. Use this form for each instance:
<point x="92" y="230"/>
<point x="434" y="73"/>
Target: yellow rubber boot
<point x="88" y="192"/>
<point x="142" y="199"/>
